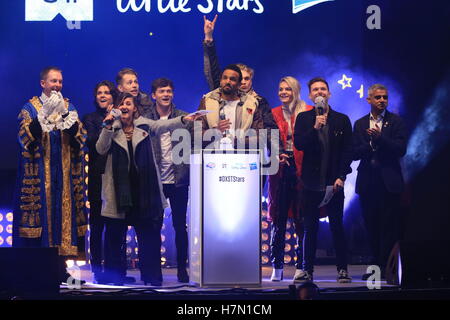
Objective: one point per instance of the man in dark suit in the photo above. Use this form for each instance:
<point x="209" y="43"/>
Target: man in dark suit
<point x="325" y="137"/>
<point x="379" y="142"/>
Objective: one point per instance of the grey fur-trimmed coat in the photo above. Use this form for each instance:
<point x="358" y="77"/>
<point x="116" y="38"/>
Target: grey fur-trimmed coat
<point x="109" y="204"/>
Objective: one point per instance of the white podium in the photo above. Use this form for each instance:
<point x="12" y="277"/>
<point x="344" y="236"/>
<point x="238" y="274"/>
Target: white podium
<point x="225" y="218"/>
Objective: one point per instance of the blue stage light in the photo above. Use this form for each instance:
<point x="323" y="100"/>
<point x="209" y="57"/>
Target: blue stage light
<point x="431" y="134"/>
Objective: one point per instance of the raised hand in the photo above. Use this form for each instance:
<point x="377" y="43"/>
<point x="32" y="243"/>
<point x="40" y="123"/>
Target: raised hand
<point x="208" y="28"/>
<point x="50" y="104"/>
<point x="108" y="121"/>
<point x="60" y="105"/>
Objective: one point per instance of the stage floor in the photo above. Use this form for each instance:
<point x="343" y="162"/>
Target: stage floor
<point x="324" y="278"/>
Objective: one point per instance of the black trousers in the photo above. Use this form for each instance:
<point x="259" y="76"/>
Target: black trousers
<point x="149" y="241"/>
<point x="381" y="214"/>
<point x="115" y="246"/>
<point x="287" y="193"/>
<point x="96" y="227"/>
<point x="335" y="210"/>
<point x="178" y="197"/>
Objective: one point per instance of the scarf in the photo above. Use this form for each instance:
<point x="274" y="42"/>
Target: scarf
<point x="121" y="177"/>
<point x="150" y="202"/>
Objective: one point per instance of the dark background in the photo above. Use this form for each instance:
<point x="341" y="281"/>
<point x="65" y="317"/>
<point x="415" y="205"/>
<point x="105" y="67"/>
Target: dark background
<point x="410" y="55"/>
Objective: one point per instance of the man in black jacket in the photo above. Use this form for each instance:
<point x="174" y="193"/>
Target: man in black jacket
<point x="325" y="137"/>
<point x="379" y="142"/>
<point x="175" y="177"/>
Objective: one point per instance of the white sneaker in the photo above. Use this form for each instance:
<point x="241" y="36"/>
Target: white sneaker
<point x="298" y="274"/>
<point x="302" y="276"/>
<point x="277" y="275"/>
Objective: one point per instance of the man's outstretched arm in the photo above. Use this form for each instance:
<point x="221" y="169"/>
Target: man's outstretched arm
<point x="211" y="67"/>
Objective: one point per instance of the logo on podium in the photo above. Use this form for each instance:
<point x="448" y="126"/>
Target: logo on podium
<point x="47" y="10"/>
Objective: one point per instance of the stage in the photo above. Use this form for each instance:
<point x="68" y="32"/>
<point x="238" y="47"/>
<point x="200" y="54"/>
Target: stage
<point x="352" y="44"/>
<point x="324" y="278"/>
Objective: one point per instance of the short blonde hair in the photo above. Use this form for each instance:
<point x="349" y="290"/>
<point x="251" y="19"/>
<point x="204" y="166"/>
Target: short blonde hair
<point x="244" y="67"/>
<point x="297" y="105"/>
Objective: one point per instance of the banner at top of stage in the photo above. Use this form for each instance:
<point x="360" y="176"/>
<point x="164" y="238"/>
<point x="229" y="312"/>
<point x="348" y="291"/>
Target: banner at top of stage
<point x="83" y="10"/>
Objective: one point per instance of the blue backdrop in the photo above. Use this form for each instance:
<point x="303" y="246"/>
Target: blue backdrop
<point x="331" y="39"/>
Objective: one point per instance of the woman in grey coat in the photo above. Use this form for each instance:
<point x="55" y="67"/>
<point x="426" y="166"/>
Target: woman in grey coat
<point x="131" y="188"/>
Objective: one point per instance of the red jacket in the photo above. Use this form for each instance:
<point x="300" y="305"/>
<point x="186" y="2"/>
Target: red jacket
<point x="273" y="202"/>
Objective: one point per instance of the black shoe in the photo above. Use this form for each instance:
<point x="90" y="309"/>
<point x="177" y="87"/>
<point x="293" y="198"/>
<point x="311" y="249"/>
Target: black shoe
<point x="127" y="279"/>
<point x="110" y="279"/>
<point x="100" y="278"/>
<point x="343" y="276"/>
<point x="153" y="283"/>
<point x="366" y="276"/>
<point x="182" y="276"/>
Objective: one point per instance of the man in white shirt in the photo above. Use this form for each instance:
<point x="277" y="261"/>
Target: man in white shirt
<point x="232" y="112"/>
<point x="175" y="177"/>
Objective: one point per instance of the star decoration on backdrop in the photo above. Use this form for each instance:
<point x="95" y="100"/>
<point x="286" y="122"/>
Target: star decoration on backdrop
<point x="345" y="82"/>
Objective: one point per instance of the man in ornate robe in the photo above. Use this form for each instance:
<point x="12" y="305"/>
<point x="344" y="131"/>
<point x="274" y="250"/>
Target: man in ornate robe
<point x="49" y="209"/>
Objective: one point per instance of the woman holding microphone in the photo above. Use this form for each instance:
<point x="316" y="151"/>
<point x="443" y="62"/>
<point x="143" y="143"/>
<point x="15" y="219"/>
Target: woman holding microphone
<point x="131" y="187"/>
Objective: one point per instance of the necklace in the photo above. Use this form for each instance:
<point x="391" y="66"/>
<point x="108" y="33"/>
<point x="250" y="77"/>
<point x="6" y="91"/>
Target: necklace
<point x="129" y="133"/>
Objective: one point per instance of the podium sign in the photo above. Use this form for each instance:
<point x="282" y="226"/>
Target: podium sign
<point x="225" y="219"/>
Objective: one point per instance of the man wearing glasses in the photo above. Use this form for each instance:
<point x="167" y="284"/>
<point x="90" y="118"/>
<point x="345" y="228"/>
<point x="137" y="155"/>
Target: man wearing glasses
<point x="379" y="142"/>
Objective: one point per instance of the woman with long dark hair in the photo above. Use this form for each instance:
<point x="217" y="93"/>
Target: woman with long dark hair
<point x="104" y="95"/>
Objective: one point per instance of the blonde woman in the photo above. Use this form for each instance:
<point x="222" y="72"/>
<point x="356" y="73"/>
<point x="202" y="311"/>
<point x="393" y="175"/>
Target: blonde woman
<point x="284" y="187"/>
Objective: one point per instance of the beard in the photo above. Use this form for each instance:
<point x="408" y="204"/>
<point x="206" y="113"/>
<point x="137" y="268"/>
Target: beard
<point x="228" y="90"/>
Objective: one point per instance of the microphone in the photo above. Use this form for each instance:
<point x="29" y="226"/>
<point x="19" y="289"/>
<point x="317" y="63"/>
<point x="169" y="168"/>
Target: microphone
<point x="225" y="142"/>
<point x="320" y="105"/>
<point x="222" y="116"/>
<point x="221" y="113"/>
<point x="116" y="113"/>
